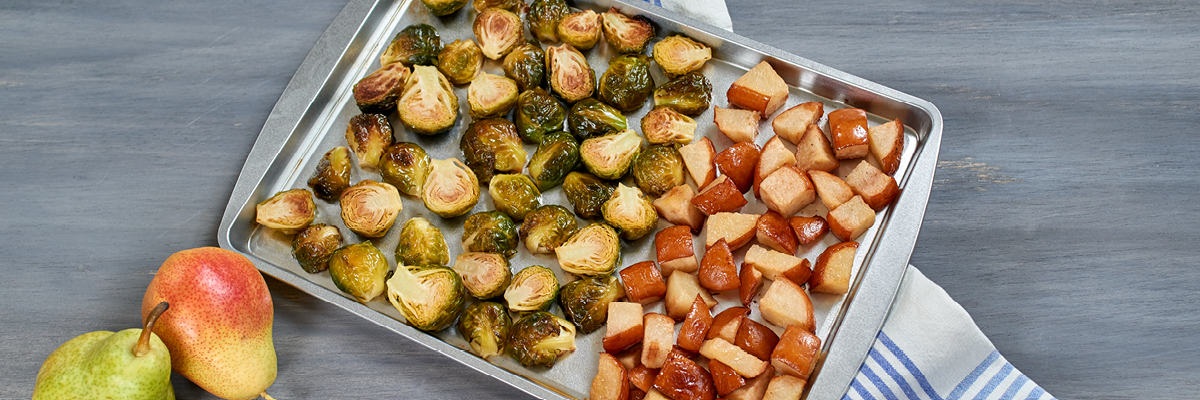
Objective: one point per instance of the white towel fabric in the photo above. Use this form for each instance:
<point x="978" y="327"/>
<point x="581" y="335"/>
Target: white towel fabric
<point x="710" y="11"/>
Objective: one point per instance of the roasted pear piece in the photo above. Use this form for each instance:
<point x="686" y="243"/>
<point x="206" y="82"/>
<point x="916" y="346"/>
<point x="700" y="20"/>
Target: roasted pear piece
<point x="332" y="175"/>
<point x="585" y="301"/>
<point x="313" y="246"/>
<point x="556" y="156"/>
<point x="430" y="297"/>
<point x="537" y="114"/>
<point x="689" y="94"/>
<point x="492" y="145"/>
<point x="587" y="193"/>
<point x="590" y="118"/>
<point x="544" y="17"/>
<point x="460" y="61"/>
<point x="678" y="55"/>
<point x="609" y="156"/>
<point x="491" y="232"/>
<point x="627" y="34"/>
<point x="359" y="270"/>
<point x="428" y="105"/>
<point x="405" y="165"/>
<point x="630" y="211"/>
<point x="658" y="169"/>
<point x="540" y="338"/>
<point x="443" y="7"/>
<point x="417" y="44"/>
<point x="369" y="208"/>
<point x="368" y="135"/>
<point x="593" y="250"/>
<point x="377" y="92"/>
<point x="627" y="83"/>
<point x="498" y="32"/>
<point x="580" y="29"/>
<point x="532" y="289"/>
<point x="570" y="76"/>
<point x="288" y="211"/>
<point x="665" y="125"/>
<point x="421" y="243"/>
<point x="485" y="327"/>
<point x="451" y="189"/>
<point x="491" y="96"/>
<point x="547" y="227"/>
<point x="485" y="275"/>
<point x="526" y="65"/>
<point x="514" y="195"/>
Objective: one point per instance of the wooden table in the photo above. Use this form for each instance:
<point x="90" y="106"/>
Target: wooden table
<point x="1063" y="216"/>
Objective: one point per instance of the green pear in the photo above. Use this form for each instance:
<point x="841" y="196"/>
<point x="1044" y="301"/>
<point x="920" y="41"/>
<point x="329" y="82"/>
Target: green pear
<point x="130" y="364"/>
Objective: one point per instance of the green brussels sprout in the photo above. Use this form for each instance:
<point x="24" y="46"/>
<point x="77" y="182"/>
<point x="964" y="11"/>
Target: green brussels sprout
<point x="540" y="338"/>
<point x="460" y="61"/>
<point x="665" y="125"/>
<point x="443" y="7"/>
<point x="492" y="145"/>
<point x="377" y="92"/>
<point x="688" y="94"/>
<point x="491" y="96"/>
<point x="580" y="29"/>
<point x="288" y="211"/>
<point x="421" y="243"/>
<point x="609" y="156"/>
<point x="492" y="232"/>
<point x="587" y="193"/>
<point x="678" y="55"/>
<point x="526" y="64"/>
<point x="547" y="227"/>
<point x="544" y="16"/>
<point x="428" y="105"/>
<point x="585" y="301"/>
<point x="485" y="275"/>
<point x="429" y="297"/>
<point x="510" y="5"/>
<point x="405" y="165"/>
<point x="313" y="246"/>
<point x="417" y="44"/>
<point x="554" y="158"/>
<point x="627" y="83"/>
<point x="538" y="113"/>
<point x="498" y="32"/>
<point x="359" y="270"/>
<point x="368" y="135"/>
<point x="485" y="327"/>
<point x="532" y="289"/>
<point x="590" y="118"/>
<point x="369" y="208"/>
<point x="631" y="212"/>
<point x="627" y="35"/>
<point x="332" y="175"/>
<point x="569" y="74"/>
<point x="658" y="169"/>
<point x="593" y="250"/>
<point x="451" y="188"/>
<point x="514" y="194"/>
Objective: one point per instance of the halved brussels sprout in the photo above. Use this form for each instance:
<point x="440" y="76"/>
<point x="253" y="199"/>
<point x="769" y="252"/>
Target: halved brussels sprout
<point x="429" y="297"/>
<point x="332" y="175"/>
<point x="585" y="301"/>
<point x="544" y="16"/>
<point x="631" y="212"/>
<point x="678" y="55"/>
<point x="540" y="339"/>
<point x="451" y="188"/>
<point x="498" y="32"/>
<point x="491" y="96"/>
<point x="587" y="193"/>
<point x="593" y="250"/>
<point x="688" y="94"/>
<point x="657" y="169"/>
<point x="627" y="34"/>
<point x="570" y="76"/>
<point x="368" y="135"/>
<point x="460" y="61"/>
<point x="443" y="7"/>
<point x="492" y="145"/>
<point x="510" y="5"/>
<point x="609" y="156"/>
<point x="421" y="243"/>
<point x="514" y="195"/>
<point x="428" y="105"/>
<point x="359" y="270"/>
<point x="580" y="29"/>
<point x="537" y="114"/>
<point x="665" y="125"/>
<point x="627" y="83"/>
<point x="417" y="44"/>
<point x="405" y="165"/>
<point x="547" y="227"/>
<point x="377" y="92"/>
<point x="485" y="275"/>
<point x="590" y="118"/>
<point x="491" y="232"/>
<point x="288" y="211"/>
<point x="313" y="246"/>
<point x="532" y="289"/>
<point x="555" y="157"/>
<point x="369" y="208"/>
<point x="526" y="64"/>
<point x="485" y="327"/>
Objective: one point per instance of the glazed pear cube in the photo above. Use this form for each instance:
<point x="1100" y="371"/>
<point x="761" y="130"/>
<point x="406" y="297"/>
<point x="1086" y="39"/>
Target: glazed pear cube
<point x="673" y="246"/>
<point x="832" y="190"/>
<point x="773" y="156"/>
<point x="736" y="228"/>
<point x="624" y="328"/>
<point x="729" y="354"/>
<point x="849" y="129"/>
<point x="737" y="125"/>
<point x="754" y="389"/>
<point x="792" y="123"/>
<point x="832" y="272"/>
<point x="717" y="272"/>
<point x="809" y="229"/>
<point x="786" y="303"/>
<point x="642" y="377"/>
<point x="886" y="143"/>
<point x="851" y="219"/>
<point x="682" y="379"/>
<point x="800" y="273"/>
<point x="774" y="231"/>
<point x="750" y="280"/>
<point x="785" y="387"/>
<point x="787" y="190"/>
<point x="611" y="381"/>
<point x="676" y="206"/>
<point x="722" y="195"/>
<point x="725" y="323"/>
<point x="658" y="340"/>
<point x="698" y="159"/>
<point x="796" y="352"/>
<point x="771" y="263"/>
<point x="682" y="289"/>
<point x="630" y="357"/>
<point x="655" y="395"/>
<point x="814" y="151"/>
<point x="643" y="282"/>
<point x="756" y="339"/>
<point x="761" y="89"/>
<point x="724" y="378"/>
<point x="695" y="326"/>
<point x="738" y="163"/>
<point x="876" y="188"/>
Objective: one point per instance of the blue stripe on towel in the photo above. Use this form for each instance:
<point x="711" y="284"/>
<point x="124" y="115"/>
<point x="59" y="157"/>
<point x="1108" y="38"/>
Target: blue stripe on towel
<point x="995" y="381"/>
<point x="1015" y="387"/>
<point x="879" y="385"/>
<point x="970" y="379"/>
<point x="908" y="364"/>
<point x="862" y="391"/>
<point x="901" y="381"/>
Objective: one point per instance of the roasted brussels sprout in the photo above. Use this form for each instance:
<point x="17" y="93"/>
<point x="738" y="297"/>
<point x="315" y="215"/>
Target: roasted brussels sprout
<point x="630" y="211"/>
<point x="609" y="156"/>
<point x="332" y="175"/>
<point x="288" y="211"/>
<point x="368" y="135"/>
<point x="417" y="44"/>
<point x="498" y="32"/>
<point x="628" y="35"/>
<point x="421" y="243"/>
<point x="678" y="55"/>
<point x="313" y="246"/>
<point x="491" y="96"/>
<point x="526" y="65"/>
<point x="510" y="5"/>
<point x="377" y="92"/>
<point x="492" y="145"/>
<point x="359" y="270"/>
<point x="443" y="7"/>
<point x="514" y="195"/>
<point x="547" y="227"/>
<point x="532" y="289"/>
<point x="485" y="275"/>
<point x="627" y="83"/>
<point x="665" y="125"/>
<point x="405" y="165"/>
<point x="460" y="61"/>
<point x="492" y="232"/>
<point x="429" y="297"/>
<point x="555" y="157"/>
<point x="585" y="301"/>
<point x="587" y="193"/>
<point x="688" y="94"/>
<point x="428" y="105"/>
<point x="590" y="118"/>
<point x="369" y="208"/>
<point x="593" y="250"/>
<point x="657" y="169"/>
<point x="537" y="114"/>
<point x="580" y="29"/>
<point x="570" y="76"/>
<point x="485" y="327"/>
<point x="451" y="188"/>
<point x="544" y="16"/>
<point x="540" y="338"/>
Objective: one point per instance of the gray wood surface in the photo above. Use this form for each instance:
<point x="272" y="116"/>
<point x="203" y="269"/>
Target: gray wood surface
<point x="1063" y="216"/>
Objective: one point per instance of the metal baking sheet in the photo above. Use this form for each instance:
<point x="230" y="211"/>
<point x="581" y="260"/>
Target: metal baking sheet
<point x="311" y="116"/>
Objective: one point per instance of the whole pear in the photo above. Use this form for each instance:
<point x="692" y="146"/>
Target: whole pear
<point x="219" y="328"/>
<point x="130" y="364"/>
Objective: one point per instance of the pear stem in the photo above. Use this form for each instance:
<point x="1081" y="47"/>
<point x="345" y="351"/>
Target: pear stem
<point x="143" y="344"/>
<point x="266" y="396"/>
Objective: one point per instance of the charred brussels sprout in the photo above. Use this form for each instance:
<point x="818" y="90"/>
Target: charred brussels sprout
<point x="510" y="5"/>
<point x="287" y="211"/>
<point x="428" y="105"/>
<point x="332" y="175"/>
<point x="547" y="227"/>
<point x="570" y="76"/>
<point x="451" y="188"/>
<point x="485" y="327"/>
<point x="313" y="246"/>
<point x="609" y="156"/>
<point x="514" y="195"/>
<point x="359" y="270"/>
<point x="658" y="169"/>
<point x="405" y="165"/>
<point x="630" y="211"/>
<point x="593" y="250"/>
<point x="368" y="135"/>
<point x="460" y="61"/>
<point x="532" y="289"/>
<point x="377" y="92"/>
<point x="369" y="208"/>
<point x="491" y="232"/>
<point x="555" y="157"/>
<point x="417" y="44"/>
<point x="538" y="113"/>
<point x="421" y="243"/>
<point x="430" y="297"/>
<point x="443" y="7"/>
<point x="665" y="125"/>
<point x="627" y="83"/>
<point x="485" y="275"/>
<point x="590" y="118"/>
<point x="491" y="96"/>
<point x="544" y="16"/>
<point x="678" y="55"/>
<point x="688" y="94"/>
<point x="627" y="34"/>
<point x="498" y="32"/>
<point x="492" y="145"/>
<point x="526" y="65"/>
<point x="587" y="193"/>
<point x="585" y="301"/>
<point x="581" y="29"/>
<point x="540" y="338"/>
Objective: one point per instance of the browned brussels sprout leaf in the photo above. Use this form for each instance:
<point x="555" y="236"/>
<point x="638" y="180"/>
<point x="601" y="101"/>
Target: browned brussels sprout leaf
<point x="485" y="327"/>
<point x="332" y="175"/>
<point x="313" y="246"/>
<point x="627" y="83"/>
<point x="544" y="16"/>
<point x="580" y="29"/>
<point x="540" y="339"/>
<point x="443" y="7"/>
<point x="630" y="211"/>
<point x="460" y="61"/>
<point x="417" y="44"/>
<point x="492" y="145"/>
<point x="510" y="5"/>
<point x="689" y="94"/>
<point x="490" y="232"/>
<point x="547" y="227"/>
<point x="405" y="165"/>
<point x="538" y="113"/>
<point x="526" y="64"/>
<point x="585" y="301"/>
<point x="498" y="32"/>
<point x="368" y="135"/>
<point x="287" y="211"/>
<point x="627" y="34"/>
<point x="378" y="92"/>
<point x="556" y="156"/>
<point x="570" y="76"/>
<point x="514" y="195"/>
<point x="657" y="169"/>
<point x="587" y="193"/>
<point x="359" y="270"/>
<point x="591" y="119"/>
<point x="421" y="243"/>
